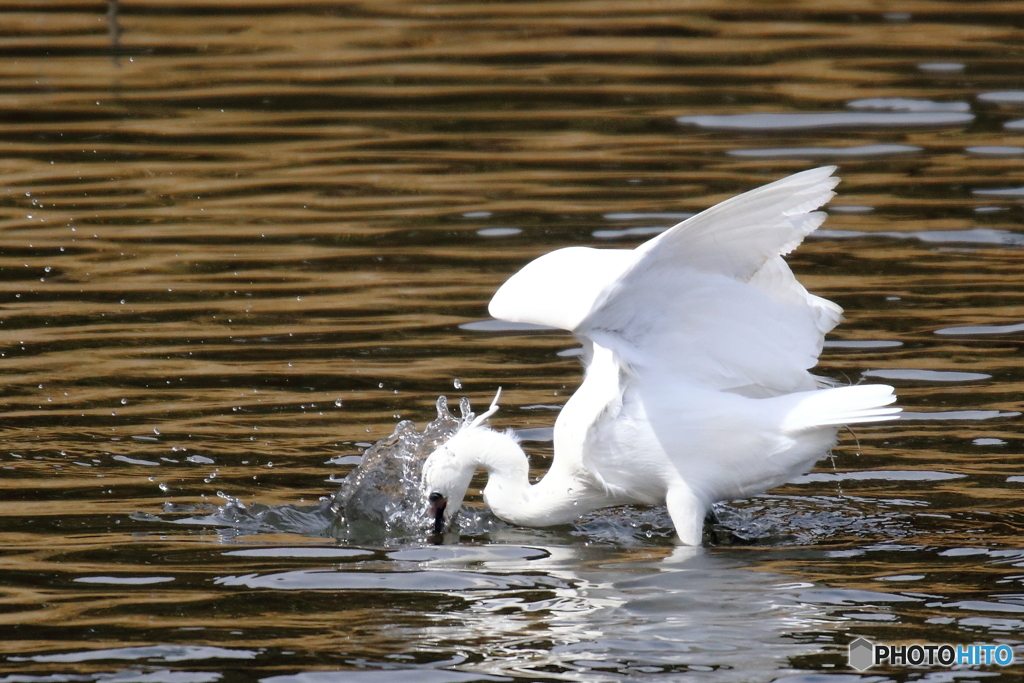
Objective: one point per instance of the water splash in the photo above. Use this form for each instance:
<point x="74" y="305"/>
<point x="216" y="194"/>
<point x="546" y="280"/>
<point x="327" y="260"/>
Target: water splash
<point x="380" y="501"/>
<point x="383" y="495"/>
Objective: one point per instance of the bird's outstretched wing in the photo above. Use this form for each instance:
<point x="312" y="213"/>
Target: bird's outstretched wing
<point x="560" y="288"/>
<point x="709" y="301"/>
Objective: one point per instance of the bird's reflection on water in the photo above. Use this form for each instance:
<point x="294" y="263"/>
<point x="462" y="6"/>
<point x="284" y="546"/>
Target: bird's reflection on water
<point x="592" y="613"/>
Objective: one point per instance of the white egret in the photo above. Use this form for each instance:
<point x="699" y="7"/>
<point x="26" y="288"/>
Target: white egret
<point x="697" y="346"/>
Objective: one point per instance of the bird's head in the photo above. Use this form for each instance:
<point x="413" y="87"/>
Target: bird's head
<point x="448" y="470"/>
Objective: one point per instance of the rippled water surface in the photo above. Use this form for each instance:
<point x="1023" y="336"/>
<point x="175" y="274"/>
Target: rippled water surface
<point x="240" y="241"/>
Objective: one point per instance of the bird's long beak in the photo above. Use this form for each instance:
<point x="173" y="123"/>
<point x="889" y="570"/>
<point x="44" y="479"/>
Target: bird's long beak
<point x="437" y="505"/>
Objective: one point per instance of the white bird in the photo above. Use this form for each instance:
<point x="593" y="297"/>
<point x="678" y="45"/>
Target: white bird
<point x="697" y="346"/>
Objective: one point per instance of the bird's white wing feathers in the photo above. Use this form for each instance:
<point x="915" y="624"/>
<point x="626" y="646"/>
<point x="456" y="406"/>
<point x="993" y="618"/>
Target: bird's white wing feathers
<point x="712" y="302"/>
<point x="559" y="288"/>
<point x="741" y="238"/>
<point x="737" y="236"/>
<point x="709" y="303"/>
<point x="711" y="331"/>
<point x="775" y="278"/>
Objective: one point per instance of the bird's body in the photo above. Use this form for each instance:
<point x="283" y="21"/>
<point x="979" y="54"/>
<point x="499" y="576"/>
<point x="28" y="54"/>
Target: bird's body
<point x="698" y="346"/>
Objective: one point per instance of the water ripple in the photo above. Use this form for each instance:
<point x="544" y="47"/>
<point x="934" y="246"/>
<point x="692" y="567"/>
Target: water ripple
<point x="767" y="122"/>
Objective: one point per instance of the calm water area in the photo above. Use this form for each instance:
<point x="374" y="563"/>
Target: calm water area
<point x="241" y="240"/>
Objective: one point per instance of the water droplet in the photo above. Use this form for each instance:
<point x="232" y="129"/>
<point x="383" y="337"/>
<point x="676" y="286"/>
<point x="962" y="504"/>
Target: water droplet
<point x="337" y="402"/>
<point x="458" y="383"/>
<point x="124" y="401"/>
<point x="164" y="486"/>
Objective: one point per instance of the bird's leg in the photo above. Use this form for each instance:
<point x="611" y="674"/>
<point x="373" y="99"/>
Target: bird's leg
<point x="687" y="513"/>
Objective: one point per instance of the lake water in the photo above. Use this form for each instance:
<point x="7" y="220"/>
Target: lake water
<point x="240" y="241"/>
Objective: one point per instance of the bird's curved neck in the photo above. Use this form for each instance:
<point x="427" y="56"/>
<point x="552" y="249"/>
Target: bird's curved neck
<point x="558" y="498"/>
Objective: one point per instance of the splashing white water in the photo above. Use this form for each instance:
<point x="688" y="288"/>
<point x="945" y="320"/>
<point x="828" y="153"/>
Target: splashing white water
<point x="380" y="501"/>
<point x="383" y="495"/>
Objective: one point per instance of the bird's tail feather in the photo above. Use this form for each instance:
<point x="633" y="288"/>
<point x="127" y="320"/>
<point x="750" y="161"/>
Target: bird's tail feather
<point x="840" y="406"/>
